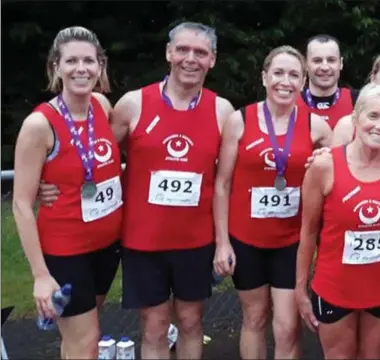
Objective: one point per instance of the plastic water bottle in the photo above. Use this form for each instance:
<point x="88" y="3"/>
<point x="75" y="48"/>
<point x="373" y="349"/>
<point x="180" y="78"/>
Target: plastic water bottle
<point x="217" y="279"/>
<point x="106" y="348"/>
<point x="60" y="299"/>
<point x="125" y="349"/>
<point x="172" y="336"/>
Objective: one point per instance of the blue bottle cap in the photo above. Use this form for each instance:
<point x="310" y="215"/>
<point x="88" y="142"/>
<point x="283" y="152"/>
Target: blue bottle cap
<point x="66" y="289"/>
<point x="106" y="337"/>
<point x="124" y="339"/>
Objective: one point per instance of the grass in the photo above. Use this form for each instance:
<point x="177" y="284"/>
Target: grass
<point x="16" y="279"/>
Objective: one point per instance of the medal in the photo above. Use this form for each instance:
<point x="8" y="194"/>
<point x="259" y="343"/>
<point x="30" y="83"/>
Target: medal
<point x="280" y="157"/>
<point x="88" y="189"/>
<point x="280" y="183"/>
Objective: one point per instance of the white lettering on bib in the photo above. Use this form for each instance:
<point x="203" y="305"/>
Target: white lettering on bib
<point x="361" y="247"/>
<point x="106" y="200"/>
<point x="268" y="202"/>
<point x="175" y="188"/>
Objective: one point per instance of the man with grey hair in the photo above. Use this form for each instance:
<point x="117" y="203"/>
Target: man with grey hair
<point x="172" y="131"/>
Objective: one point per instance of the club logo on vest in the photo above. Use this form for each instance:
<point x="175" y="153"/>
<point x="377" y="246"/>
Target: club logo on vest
<point x="177" y="146"/>
<point x="103" y="152"/>
<point x="368" y="212"/>
<point x="323" y="106"/>
<point x="269" y="158"/>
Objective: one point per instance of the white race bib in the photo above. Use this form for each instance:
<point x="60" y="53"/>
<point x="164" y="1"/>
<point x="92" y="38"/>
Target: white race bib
<point x="106" y="200"/>
<point x="175" y="188"/>
<point x="268" y="202"/>
<point x="361" y="247"/>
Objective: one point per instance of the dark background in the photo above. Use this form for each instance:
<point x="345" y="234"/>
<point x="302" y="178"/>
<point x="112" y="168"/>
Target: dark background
<point x="135" y="33"/>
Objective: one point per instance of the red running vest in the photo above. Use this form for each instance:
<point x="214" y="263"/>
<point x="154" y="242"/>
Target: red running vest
<point x="341" y="108"/>
<point x="348" y="275"/>
<point x="169" y="179"/>
<point x="61" y="228"/>
<point x="253" y="181"/>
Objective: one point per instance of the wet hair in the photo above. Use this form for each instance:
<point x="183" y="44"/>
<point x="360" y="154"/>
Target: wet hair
<point x="285" y="49"/>
<point x="367" y="91"/>
<point x="207" y="31"/>
<point x="375" y="68"/>
<point x="322" y="38"/>
<point x="75" y="33"/>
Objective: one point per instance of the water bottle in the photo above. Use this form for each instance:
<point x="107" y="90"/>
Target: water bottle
<point x="106" y="348"/>
<point x="60" y="299"/>
<point x="172" y="336"/>
<point x="125" y="349"/>
<point x="217" y="279"/>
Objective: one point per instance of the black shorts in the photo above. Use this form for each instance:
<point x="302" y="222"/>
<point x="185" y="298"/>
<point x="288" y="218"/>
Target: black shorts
<point x="256" y="267"/>
<point x="328" y="313"/>
<point x="90" y="274"/>
<point x="151" y="277"/>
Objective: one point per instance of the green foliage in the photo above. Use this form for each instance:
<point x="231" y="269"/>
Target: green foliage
<point x="135" y="33"/>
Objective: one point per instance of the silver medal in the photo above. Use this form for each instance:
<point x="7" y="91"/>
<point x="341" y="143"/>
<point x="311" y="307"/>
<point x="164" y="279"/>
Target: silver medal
<point x="280" y="183"/>
<point x="88" y="189"/>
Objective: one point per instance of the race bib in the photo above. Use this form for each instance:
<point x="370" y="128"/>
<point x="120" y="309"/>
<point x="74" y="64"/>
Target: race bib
<point x="268" y="202"/>
<point x="175" y="188"/>
<point x="361" y="247"/>
<point x="106" y="200"/>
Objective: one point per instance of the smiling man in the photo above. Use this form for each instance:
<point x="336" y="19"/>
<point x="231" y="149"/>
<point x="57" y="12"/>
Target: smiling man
<point x="173" y="131"/>
<point x="323" y="95"/>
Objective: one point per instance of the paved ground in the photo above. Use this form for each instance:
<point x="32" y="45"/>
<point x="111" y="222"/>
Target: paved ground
<point x="222" y="322"/>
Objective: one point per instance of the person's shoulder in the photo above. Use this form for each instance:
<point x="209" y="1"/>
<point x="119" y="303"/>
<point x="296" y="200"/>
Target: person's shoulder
<point x="130" y="98"/>
<point x="224" y="104"/>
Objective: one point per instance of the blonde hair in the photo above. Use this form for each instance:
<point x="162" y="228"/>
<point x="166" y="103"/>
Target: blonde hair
<point x="375" y="68"/>
<point x="285" y="49"/>
<point x="75" y="33"/>
<point x="367" y="91"/>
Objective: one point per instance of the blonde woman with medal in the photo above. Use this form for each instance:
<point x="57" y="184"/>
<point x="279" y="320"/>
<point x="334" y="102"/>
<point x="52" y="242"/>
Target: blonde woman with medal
<point x="68" y="141"/>
<point x="257" y="203"/>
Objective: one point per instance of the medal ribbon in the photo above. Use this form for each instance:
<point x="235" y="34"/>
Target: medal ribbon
<point x="193" y="103"/>
<point x="87" y="157"/>
<point x="310" y="102"/>
<point x="280" y="157"/>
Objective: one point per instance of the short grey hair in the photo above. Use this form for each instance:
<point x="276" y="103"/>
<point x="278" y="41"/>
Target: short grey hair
<point x="208" y="31"/>
<point x="369" y="90"/>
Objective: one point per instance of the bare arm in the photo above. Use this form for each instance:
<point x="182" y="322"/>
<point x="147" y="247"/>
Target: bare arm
<point x="321" y="134"/>
<point x="223" y="111"/>
<point x="316" y="185"/>
<point x="30" y="154"/>
<point x="343" y="132"/>
<point x="126" y="114"/>
<point x="232" y="132"/>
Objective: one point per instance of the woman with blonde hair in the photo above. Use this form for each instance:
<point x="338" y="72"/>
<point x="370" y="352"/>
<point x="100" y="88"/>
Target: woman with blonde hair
<point x="68" y="141"/>
<point x="341" y="191"/>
